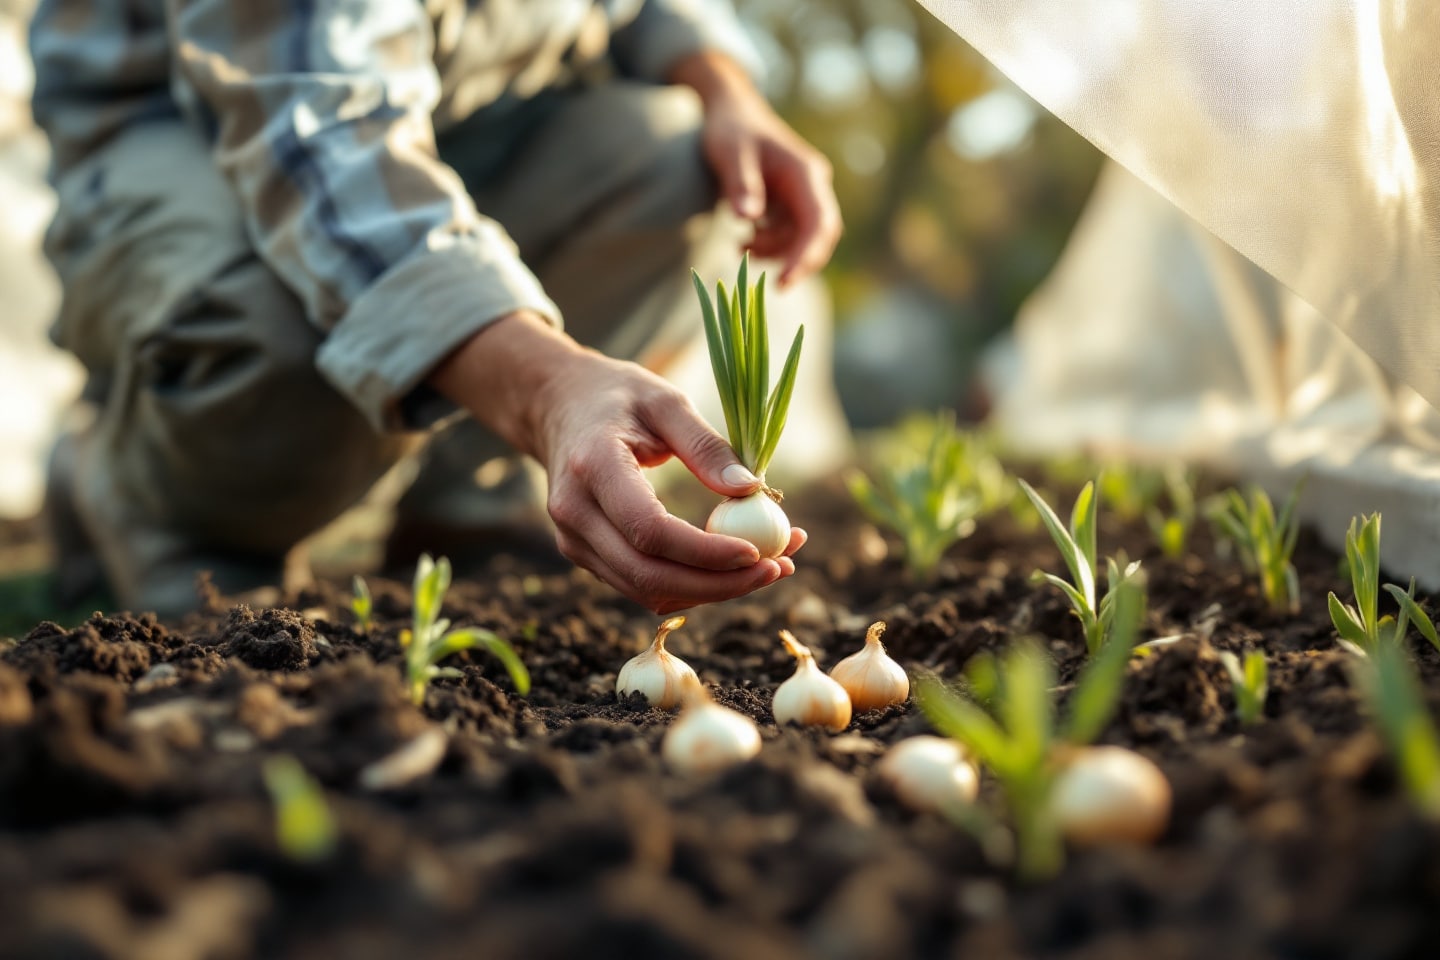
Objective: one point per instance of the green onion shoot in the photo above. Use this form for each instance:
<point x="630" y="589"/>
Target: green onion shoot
<point x="739" y="340"/>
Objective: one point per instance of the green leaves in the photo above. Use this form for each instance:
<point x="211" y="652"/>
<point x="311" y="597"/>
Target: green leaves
<point x="1388" y="683"/>
<point x="304" y="828"/>
<point x="361" y="604"/>
<point x="1251" y="683"/>
<point x="431" y="640"/>
<point x="738" y="337"/>
<point x="1361" y="627"/>
<point x="1097" y="691"/>
<point x="1016" y="736"/>
<point x="930" y="498"/>
<point x="1266" y="542"/>
<point x="1077" y="547"/>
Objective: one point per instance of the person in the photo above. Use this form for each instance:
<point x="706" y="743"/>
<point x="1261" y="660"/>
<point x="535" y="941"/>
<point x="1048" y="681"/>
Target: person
<point x="292" y="234"/>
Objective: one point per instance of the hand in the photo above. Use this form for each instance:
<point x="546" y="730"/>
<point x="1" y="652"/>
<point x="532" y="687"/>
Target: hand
<point x="594" y="423"/>
<point x="767" y="173"/>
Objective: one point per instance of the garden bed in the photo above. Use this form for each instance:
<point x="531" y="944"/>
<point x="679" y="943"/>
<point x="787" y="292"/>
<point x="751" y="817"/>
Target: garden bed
<point x="134" y="822"/>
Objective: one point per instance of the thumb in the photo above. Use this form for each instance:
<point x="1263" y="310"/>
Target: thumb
<point x="741" y="182"/>
<point x="703" y="451"/>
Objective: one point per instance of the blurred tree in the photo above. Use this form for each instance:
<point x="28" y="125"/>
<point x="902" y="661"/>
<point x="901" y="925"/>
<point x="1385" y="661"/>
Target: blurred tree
<point x="958" y="190"/>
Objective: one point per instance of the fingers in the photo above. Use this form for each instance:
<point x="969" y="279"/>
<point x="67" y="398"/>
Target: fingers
<point x="798" y="538"/>
<point x="704" y="452"/>
<point x="604" y="491"/>
<point x="662" y="585"/>
<point x="741" y="182"/>
<point x="802" y="187"/>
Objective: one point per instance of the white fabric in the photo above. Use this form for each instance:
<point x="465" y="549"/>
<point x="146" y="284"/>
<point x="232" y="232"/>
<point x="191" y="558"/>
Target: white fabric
<point x="1305" y="133"/>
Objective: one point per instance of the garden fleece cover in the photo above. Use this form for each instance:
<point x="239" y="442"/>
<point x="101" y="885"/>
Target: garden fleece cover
<point x="1305" y="135"/>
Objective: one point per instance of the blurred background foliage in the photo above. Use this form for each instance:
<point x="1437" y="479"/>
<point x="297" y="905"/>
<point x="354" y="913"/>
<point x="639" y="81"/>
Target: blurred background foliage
<point x="958" y="191"/>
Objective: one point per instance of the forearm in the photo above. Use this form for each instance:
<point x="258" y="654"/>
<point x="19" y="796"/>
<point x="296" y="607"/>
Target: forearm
<point x="504" y="374"/>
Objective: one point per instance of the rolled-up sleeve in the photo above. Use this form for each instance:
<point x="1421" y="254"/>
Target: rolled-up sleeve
<point x="666" y="31"/>
<point x="321" y="117"/>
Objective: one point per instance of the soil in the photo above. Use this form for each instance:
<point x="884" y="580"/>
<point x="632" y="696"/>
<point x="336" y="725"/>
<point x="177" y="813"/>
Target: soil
<point x="134" y="822"/>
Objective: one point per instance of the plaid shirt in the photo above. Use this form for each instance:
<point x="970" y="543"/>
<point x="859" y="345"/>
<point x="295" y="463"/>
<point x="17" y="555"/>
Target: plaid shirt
<point x="323" y="115"/>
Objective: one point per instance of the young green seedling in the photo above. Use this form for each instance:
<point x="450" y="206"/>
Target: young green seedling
<point x="1036" y="760"/>
<point x="1076" y="544"/>
<point x="431" y="639"/>
<point x="304" y="828"/>
<point x="1266" y="541"/>
<point x="1387" y="682"/>
<point x="1131" y="490"/>
<point x="1362" y="629"/>
<point x="362" y="605"/>
<point x="1250" y="681"/>
<point x="930" y="501"/>
<point x="739" y="340"/>
<point x="1172" y="530"/>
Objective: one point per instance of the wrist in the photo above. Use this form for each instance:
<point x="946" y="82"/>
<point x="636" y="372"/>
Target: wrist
<point x="501" y="375"/>
<point x="716" y="77"/>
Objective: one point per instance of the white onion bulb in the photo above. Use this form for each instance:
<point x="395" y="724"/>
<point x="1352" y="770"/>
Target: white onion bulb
<point x="809" y="697"/>
<point x="1110" y="795"/>
<point x="708" y="737"/>
<point x="657" y="674"/>
<point x="930" y="774"/>
<point x="756" y="518"/>
<point x="870" y="677"/>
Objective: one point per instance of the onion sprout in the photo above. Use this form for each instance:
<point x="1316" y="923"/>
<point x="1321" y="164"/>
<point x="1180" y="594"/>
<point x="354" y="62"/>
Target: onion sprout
<point x="739" y="340"/>
<point x="1015" y="734"/>
<point x="362" y="605"/>
<point x="1362" y="630"/>
<point x="1250" y="681"/>
<point x="1387" y="682"/>
<point x="431" y="640"/>
<point x="1266" y="541"/>
<point x="1076" y="544"/>
<point x="305" y="830"/>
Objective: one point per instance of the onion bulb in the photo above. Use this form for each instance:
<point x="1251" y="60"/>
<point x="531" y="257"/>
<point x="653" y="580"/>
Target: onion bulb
<point x="657" y="674"/>
<point x="809" y="697"/>
<point x="1109" y="795"/>
<point x="756" y="518"/>
<point x="870" y="677"/>
<point x="930" y="774"/>
<point x="708" y="737"/>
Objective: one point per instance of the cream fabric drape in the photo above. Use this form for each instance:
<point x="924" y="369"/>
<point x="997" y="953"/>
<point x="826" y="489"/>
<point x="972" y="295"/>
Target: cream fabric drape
<point x="1304" y="133"/>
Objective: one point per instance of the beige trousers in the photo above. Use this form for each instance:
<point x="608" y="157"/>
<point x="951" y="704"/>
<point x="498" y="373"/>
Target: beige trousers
<point x="216" y="445"/>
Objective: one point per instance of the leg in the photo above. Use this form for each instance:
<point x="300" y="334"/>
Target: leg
<point x="216" y="444"/>
<point x="610" y="201"/>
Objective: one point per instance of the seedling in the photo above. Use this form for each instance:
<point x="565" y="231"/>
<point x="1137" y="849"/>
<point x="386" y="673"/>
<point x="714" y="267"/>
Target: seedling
<point x="1172" y="530"/>
<point x="1250" y="681"/>
<point x="739" y="340"/>
<point x="362" y="605"/>
<point x="1387" y="682"/>
<point x="431" y="639"/>
<point x="1077" y="546"/>
<point x="1017" y="736"/>
<point x="304" y="828"/>
<point x="1131" y="490"/>
<point x="1362" y="630"/>
<point x="1266" y="542"/>
<point x="930" y="501"/>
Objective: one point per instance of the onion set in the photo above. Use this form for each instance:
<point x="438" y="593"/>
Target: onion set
<point x="657" y="674"/>
<point x="809" y="698"/>
<point x="739" y="340"/>
<point x="870" y="677"/>
<point x="707" y="737"/>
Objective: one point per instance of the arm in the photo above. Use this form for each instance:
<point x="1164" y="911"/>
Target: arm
<point x="323" y="127"/>
<point x="767" y="173"/>
<point x="321" y="116"/>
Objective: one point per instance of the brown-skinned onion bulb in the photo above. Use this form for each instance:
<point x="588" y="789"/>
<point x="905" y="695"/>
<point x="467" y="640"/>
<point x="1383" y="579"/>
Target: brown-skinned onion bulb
<point x="930" y="774"/>
<point x="707" y="737"/>
<point x="871" y="678"/>
<point x="809" y="697"/>
<point x="657" y="674"/>
<point x="756" y="519"/>
<point x="1110" y="795"/>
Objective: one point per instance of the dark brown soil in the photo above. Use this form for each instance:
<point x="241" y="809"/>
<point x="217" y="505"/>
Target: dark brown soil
<point x="134" y="823"/>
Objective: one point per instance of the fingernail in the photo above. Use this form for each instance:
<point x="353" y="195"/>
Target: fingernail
<point x="736" y="475"/>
